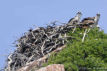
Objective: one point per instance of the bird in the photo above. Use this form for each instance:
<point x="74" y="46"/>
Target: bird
<point x="90" y="21"/>
<point x="75" y="20"/>
<point x="96" y="19"/>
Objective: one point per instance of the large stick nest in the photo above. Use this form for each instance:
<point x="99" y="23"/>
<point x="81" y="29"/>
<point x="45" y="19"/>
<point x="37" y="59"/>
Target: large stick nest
<point x="37" y="43"/>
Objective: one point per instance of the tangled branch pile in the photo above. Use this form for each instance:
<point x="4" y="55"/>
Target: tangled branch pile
<point x="43" y="40"/>
<point x="37" y="43"/>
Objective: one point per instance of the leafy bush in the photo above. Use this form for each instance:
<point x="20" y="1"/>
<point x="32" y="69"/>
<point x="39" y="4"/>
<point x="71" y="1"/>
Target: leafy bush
<point x="90" y="55"/>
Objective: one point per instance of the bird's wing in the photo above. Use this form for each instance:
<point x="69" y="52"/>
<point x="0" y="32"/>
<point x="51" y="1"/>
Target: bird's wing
<point x="88" y="18"/>
<point x="70" y="20"/>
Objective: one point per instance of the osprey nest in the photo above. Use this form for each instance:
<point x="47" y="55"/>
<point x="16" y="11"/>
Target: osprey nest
<point x="36" y="43"/>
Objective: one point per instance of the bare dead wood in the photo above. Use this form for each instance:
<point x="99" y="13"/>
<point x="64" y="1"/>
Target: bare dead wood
<point x="42" y="48"/>
<point x="32" y="44"/>
<point x="84" y="35"/>
<point x="30" y="65"/>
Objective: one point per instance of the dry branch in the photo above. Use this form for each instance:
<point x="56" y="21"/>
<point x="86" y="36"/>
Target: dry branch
<point x="38" y="62"/>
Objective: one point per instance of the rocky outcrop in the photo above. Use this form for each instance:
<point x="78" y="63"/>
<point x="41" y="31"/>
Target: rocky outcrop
<point x="53" y="67"/>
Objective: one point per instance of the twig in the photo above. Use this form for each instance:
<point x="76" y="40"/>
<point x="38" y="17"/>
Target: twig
<point x="41" y="60"/>
<point x="30" y="58"/>
<point x="84" y="35"/>
<point x="42" y="48"/>
<point x="74" y="29"/>
<point x="88" y="30"/>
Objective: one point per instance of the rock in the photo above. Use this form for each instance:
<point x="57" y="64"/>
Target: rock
<point x="53" y="67"/>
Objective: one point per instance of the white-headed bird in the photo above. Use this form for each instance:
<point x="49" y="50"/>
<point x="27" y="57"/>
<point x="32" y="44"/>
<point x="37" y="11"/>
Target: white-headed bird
<point x="90" y="22"/>
<point x="75" y="20"/>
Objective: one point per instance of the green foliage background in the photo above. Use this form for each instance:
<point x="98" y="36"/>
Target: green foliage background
<point x="90" y="55"/>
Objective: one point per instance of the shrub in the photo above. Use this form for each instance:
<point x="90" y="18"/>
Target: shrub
<point x="91" y="55"/>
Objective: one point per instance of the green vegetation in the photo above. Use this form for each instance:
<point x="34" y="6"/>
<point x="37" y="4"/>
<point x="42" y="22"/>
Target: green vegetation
<point x="90" y="55"/>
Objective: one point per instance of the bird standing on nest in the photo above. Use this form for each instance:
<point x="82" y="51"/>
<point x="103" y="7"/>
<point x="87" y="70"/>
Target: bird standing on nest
<point x="90" y="22"/>
<point x="96" y="20"/>
<point x="74" y="21"/>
